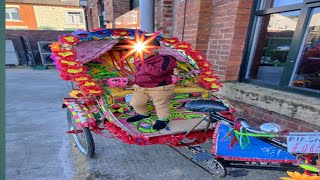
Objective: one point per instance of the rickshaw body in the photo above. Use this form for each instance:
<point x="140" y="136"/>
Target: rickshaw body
<point x="100" y="100"/>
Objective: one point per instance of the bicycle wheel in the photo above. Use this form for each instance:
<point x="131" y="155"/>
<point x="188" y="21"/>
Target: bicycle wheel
<point x="216" y="168"/>
<point x="83" y="140"/>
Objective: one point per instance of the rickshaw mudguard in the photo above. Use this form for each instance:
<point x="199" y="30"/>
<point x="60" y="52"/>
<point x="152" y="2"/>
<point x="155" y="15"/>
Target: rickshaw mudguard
<point x="80" y="112"/>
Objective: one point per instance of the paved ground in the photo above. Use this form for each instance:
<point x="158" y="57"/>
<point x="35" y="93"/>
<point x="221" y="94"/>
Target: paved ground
<point x="36" y="144"/>
<point x="38" y="148"/>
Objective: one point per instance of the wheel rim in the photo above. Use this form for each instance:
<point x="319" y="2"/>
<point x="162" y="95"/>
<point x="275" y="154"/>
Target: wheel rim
<point x="216" y="168"/>
<point x="79" y="138"/>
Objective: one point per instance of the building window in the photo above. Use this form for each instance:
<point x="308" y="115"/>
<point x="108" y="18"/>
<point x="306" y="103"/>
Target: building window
<point x="285" y="45"/>
<point x="12" y="14"/>
<point x="74" y="18"/>
<point x="307" y="71"/>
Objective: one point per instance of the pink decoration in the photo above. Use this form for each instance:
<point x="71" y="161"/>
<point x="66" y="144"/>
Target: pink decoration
<point x="118" y="82"/>
<point x="176" y="79"/>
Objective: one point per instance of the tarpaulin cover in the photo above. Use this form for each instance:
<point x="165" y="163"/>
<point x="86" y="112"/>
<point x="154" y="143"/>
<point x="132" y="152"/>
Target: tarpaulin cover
<point x="256" y="151"/>
<point x="88" y="51"/>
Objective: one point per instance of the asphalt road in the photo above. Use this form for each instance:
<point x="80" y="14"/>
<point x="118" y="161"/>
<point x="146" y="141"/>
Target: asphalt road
<point x="38" y="147"/>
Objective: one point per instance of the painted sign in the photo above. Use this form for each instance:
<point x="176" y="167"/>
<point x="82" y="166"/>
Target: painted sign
<point x="303" y="143"/>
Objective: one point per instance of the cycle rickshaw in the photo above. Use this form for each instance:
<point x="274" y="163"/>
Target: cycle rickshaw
<point x="99" y="66"/>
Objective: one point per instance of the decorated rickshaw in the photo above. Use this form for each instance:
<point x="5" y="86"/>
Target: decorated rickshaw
<point x="101" y="65"/>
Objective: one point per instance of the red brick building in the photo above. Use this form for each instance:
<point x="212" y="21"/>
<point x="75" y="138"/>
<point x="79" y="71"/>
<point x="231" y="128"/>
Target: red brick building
<point x="265" y="51"/>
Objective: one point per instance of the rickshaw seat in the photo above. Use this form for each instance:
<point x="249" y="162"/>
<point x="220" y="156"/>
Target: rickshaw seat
<point x="206" y="106"/>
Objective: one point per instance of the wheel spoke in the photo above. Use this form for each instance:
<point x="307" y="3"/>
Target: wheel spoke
<point x="79" y="137"/>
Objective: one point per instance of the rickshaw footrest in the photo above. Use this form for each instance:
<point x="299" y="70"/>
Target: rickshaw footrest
<point x="203" y="156"/>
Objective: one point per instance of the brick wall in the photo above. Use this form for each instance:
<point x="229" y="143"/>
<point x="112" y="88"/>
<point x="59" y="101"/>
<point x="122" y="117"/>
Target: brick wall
<point x="193" y="28"/>
<point x="257" y="116"/>
<point x="163" y="19"/>
<point x="34" y="37"/>
<point x="229" y="27"/>
<point x="120" y="7"/>
<point x="93" y="12"/>
<point x="217" y="28"/>
<point x="115" y="8"/>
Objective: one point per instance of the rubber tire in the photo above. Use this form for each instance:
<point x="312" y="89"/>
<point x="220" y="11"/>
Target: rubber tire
<point x="222" y="171"/>
<point x="90" y="149"/>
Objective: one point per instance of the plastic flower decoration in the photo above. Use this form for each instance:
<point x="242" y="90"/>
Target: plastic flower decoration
<point x="139" y="46"/>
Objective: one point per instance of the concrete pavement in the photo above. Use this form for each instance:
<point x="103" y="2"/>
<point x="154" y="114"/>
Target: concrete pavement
<point x="38" y="147"/>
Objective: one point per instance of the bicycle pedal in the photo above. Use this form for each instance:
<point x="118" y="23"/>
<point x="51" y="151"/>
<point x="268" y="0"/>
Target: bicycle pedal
<point x="202" y="156"/>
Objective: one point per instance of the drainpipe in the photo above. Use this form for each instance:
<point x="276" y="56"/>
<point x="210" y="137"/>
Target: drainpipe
<point x="86" y="17"/>
<point x="147" y="15"/>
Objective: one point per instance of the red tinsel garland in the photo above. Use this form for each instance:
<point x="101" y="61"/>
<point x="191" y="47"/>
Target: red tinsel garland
<point x="173" y="140"/>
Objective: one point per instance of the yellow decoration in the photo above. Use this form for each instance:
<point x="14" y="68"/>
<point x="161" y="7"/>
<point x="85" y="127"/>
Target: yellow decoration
<point x="55" y="46"/>
<point x="110" y="99"/>
<point x="209" y="79"/>
<point x="69" y="38"/>
<point x="74" y="71"/>
<point x="183" y="46"/>
<point x="206" y="94"/>
<point x="89" y="84"/>
<point x="184" y="66"/>
<point x="74" y="93"/>
<point x="94" y="91"/>
<point x="65" y="54"/>
<point x="214" y="86"/>
<point x="68" y="62"/>
<point x="298" y="176"/>
<point x="81" y="79"/>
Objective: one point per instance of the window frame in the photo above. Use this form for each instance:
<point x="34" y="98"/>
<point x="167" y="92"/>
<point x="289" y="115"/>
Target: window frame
<point x="72" y="23"/>
<point x="298" y="38"/>
<point x="10" y="13"/>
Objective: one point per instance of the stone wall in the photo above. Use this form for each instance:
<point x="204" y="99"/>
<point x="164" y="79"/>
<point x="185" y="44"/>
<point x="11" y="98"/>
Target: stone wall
<point x="55" y="18"/>
<point x="259" y="105"/>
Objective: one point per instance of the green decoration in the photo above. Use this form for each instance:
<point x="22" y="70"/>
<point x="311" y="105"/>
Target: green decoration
<point x="309" y="167"/>
<point x="181" y="96"/>
<point x="174" y="115"/>
<point x="193" y="116"/>
<point x="255" y="135"/>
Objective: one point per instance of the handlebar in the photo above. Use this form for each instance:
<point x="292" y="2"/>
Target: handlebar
<point x="249" y="128"/>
